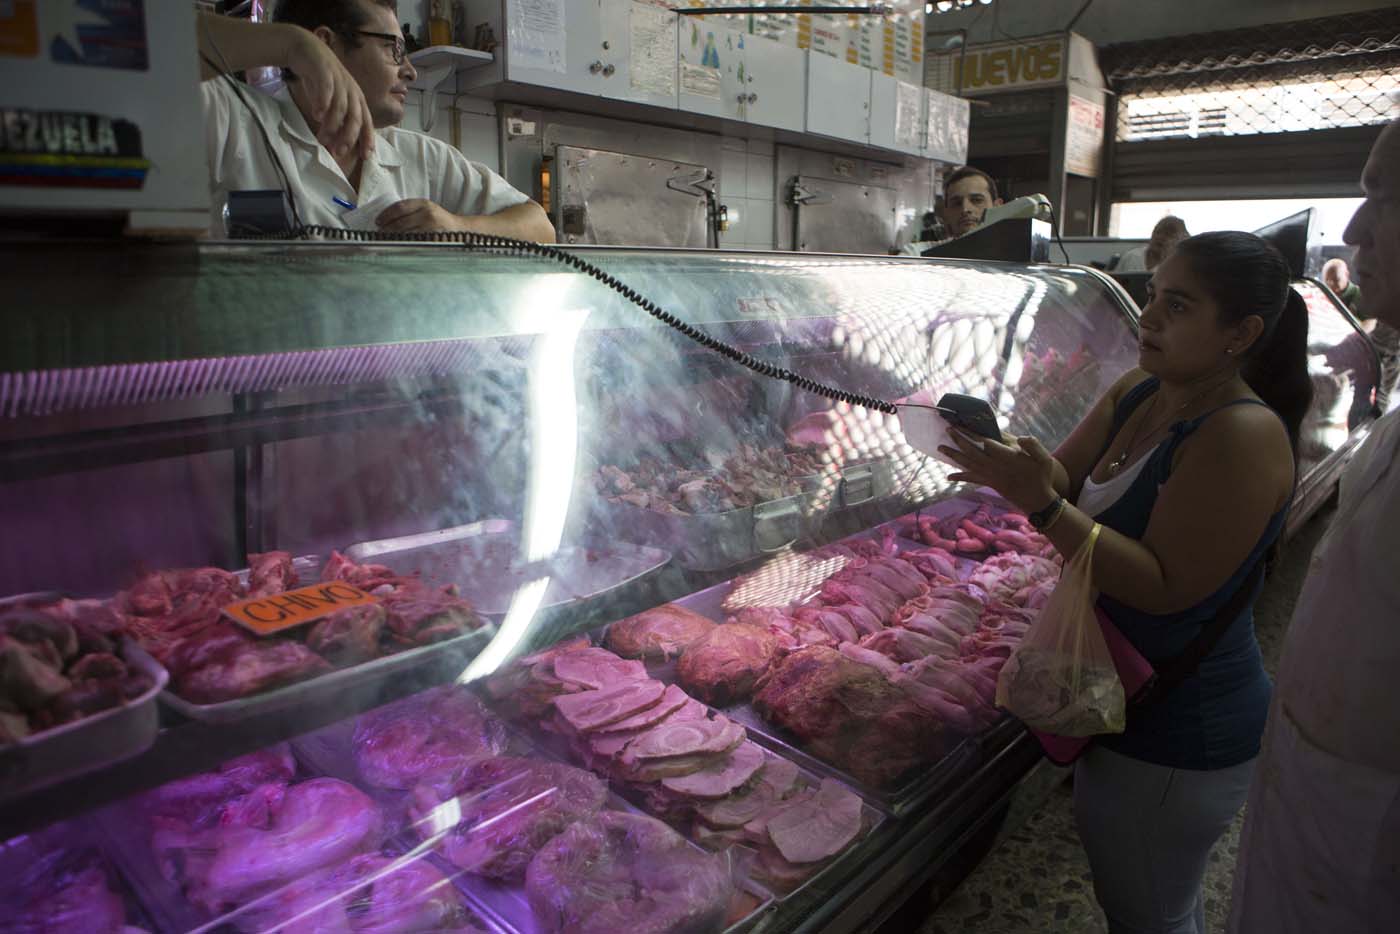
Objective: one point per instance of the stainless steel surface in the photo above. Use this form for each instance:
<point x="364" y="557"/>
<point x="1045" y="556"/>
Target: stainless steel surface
<point x="715" y="541"/>
<point x="88" y="744"/>
<point x="838" y="216"/>
<point x="483" y="559"/>
<point x="447" y="657"/>
<point x="613" y="197"/>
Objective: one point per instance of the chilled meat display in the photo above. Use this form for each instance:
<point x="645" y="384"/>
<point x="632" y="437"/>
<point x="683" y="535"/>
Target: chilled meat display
<point x="752" y="474"/>
<point x="489" y="816"/>
<point x="666" y="750"/>
<point x="59" y="662"/>
<point x="59" y="889"/>
<point x="657" y="634"/>
<point x="622" y="872"/>
<point x="977" y="532"/>
<point x="401" y="744"/>
<point x="178" y="617"/>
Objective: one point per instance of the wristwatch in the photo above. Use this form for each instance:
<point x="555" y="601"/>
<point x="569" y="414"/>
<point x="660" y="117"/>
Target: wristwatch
<point x="1046" y="517"/>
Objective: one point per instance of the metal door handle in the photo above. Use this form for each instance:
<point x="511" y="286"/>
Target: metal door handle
<point x="608" y="70"/>
<point x="595" y="68"/>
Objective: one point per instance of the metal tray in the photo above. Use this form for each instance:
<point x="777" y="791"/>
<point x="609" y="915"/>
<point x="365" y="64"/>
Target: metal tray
<point x="440" y="661"/>
<point x="871" y="816"/>
<point x="719" y="540"/>
<point x="327" y="752"/>
<point x="93" y="742"/>
<point x="482" y="560"/>
<point x="437" y="662"/>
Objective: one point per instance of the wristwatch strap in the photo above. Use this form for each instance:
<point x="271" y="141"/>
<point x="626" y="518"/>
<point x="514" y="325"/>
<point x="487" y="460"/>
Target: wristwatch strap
<point x="1044" y="517"/>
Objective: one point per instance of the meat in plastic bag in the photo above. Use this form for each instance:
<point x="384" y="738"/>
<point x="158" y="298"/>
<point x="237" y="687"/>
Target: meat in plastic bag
<point x="621" y="872"/>
<point x="1061" y="678"/>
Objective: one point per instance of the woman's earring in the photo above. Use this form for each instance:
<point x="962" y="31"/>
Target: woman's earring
<point x="1229" y="350"/>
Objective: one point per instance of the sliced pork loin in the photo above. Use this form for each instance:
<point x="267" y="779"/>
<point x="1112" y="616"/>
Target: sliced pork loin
<point x="588" y="711"/>
<point x="906" y="645"/>
<point x="819" y="827"/>
<point x="608" y="745"/>
<point x="728" y="773"/>
<point x="685" y="738"/>
<point x="657" y="634"/>
<point x="596" y="668"/>
<point x="775" y="780"/>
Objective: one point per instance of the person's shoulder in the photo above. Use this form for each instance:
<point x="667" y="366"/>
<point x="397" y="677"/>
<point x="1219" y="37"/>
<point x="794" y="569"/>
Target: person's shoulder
<point x="1127" y="382"/>
<point x="421" y="144"/>
<point x="1244" y="430"/>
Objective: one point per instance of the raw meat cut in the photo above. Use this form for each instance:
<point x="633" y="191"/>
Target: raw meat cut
<point x="416" y="738"/>
<point x="313" y="825"/>
<point x="249" y="668"/>
<point x="593" y="710"/>
<point x="819" y="828"/>
<point x="491" y="815"/>
<point x="906" y="645"/>
<point x="657" y="634"/>
<point x="722" y="667"/>
<point x="605" y="744"/>
<point x="849" y="714"/>
<point x="371" y="894"/>
<point x="57" y="665"/>
<point x="718" y="780"/>
<point x="368" y="577"/>
<point x="750" y="475"/>
<point x="626" y="873"/>
<point x="419" y="615"/>
<point x="270" y="573"/>
<point x="348" y="636"/>
<point x="63" y="891"/>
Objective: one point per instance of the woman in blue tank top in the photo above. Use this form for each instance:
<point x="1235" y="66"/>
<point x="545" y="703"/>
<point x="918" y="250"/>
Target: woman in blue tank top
<point x="1188" y="462"/>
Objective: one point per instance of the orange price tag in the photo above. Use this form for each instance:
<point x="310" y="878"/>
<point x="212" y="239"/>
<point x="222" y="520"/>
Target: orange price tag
<point x="266" y="615"/>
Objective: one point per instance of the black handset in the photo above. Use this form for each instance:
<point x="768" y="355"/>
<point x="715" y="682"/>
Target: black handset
<point x="970" y="414"/>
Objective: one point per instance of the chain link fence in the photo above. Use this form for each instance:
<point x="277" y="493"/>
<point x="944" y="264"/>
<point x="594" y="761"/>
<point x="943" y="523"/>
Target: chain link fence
<point x="1340" y="71"/>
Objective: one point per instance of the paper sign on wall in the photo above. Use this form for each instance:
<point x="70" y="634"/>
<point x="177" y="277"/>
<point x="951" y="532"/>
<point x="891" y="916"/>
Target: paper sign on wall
<point x="267" y="615"/>
<point x="653" y="34"/>
<point x="1084" y="137"/>
<point x="947" y="128"/>
<point x="908" y="115"/>
<point x="535" y="29"/>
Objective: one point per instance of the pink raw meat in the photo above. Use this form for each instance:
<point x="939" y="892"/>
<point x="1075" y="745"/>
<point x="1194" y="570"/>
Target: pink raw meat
<point x="686" y="738"/>
<point x="906" y="645"/>
<point x="819" y="827"/>
<point x="671" y="701"/>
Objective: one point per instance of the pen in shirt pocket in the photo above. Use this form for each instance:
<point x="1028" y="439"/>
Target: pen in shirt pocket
<point x="342" y="202"/>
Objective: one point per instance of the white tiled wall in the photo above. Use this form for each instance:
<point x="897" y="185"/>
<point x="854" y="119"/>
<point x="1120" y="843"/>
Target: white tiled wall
<point x="748" y="186"/>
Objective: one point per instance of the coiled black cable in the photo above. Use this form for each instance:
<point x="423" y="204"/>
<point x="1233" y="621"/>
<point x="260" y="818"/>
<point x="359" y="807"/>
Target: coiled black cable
<point x="508" y="245"/>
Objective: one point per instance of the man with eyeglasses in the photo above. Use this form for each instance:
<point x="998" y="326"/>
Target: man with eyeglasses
<point x="332" y="137"/>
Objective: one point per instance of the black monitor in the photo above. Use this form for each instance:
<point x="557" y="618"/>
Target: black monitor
<point x="1016" y="240"/>
<point x="1291" y="235"/>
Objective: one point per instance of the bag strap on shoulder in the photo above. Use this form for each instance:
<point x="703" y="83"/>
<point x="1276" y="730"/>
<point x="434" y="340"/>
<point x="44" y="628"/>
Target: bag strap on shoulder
<point x="1184" y="665"/>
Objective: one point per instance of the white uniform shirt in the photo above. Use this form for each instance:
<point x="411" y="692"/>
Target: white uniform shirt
<point x="404" y="165"/>
<point x="1339" y="676"/>
<point x="1134" y="260"/>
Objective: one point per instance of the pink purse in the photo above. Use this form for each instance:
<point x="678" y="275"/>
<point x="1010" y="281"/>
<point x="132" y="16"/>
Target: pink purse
<point x="1143" y="685"/>
<point x="1134" y="671"/>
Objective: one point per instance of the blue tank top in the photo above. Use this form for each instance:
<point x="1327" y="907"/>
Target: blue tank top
<point x="1215" y="717"/>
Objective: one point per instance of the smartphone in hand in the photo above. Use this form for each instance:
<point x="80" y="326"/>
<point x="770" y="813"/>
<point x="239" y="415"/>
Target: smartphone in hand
<point x="971" y="414"/>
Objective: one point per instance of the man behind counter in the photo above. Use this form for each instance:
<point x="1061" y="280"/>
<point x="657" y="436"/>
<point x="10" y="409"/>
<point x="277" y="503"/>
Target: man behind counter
<point x="967" y="194"/>
<point x="334" y="130"/>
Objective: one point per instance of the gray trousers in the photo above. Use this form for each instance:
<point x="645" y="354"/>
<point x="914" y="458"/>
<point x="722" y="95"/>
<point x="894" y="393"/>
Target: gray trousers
<point x="1148" y="830"/>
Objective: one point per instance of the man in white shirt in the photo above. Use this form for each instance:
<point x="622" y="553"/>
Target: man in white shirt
<point x="1321" y="845"/>
<point x="331" y="137"/>
<point x="1168" y="232"/>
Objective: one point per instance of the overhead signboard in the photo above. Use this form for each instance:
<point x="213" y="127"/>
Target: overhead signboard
<point x="1000" y="66"/>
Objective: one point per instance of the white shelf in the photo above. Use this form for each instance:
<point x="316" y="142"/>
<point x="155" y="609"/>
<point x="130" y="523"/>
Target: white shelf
<point x="451" y="56"/>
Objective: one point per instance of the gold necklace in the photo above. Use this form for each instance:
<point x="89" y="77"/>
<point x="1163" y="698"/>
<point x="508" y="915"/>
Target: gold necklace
<point x="1118" y="462"/>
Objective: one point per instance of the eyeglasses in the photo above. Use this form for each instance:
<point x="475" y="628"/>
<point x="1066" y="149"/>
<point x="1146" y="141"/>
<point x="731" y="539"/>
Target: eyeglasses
<point x="398" y="49"/>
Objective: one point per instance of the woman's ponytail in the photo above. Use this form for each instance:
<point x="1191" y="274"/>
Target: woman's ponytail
<point x="1247" y="276"/>
<point x="1278" y="370"/>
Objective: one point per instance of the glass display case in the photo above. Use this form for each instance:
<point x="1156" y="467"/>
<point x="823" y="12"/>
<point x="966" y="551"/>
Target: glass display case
<point x="409" y="587"/>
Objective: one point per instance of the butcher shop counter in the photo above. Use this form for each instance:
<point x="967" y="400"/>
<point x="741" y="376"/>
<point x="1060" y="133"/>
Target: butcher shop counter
<point x="616" y="523"/>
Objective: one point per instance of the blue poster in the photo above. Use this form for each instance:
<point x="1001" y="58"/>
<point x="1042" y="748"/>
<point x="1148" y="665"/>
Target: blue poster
<point x="100" y="33"/>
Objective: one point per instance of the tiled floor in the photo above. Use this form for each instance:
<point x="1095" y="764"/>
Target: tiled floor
<point x="1037" y="878"/>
